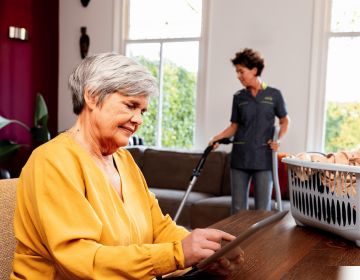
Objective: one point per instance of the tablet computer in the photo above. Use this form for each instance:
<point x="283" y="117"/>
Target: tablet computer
<point x="231" y="249"/>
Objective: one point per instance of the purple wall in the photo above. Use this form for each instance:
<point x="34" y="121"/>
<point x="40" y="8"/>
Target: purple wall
<point x="27" y="68"/>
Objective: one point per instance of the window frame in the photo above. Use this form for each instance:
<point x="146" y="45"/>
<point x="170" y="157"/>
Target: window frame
<point x="316" y="121"/>
<point x="121" y="39"/>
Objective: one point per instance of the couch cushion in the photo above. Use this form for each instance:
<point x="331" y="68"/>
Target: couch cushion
<point x="172" y="169"/>
<point x="211" y="210"/>
<point x="226" y="184"/>
<point x="169" y="201"/>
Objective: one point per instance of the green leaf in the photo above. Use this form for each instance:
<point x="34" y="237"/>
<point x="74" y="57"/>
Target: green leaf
<point x="5" y="122"/>
<point x="8" y="149"/>
<point x="43" y="121"/>
<point x="178" y="118"/>
<point x="40" y="134"/>
<point x="40" y="109"/>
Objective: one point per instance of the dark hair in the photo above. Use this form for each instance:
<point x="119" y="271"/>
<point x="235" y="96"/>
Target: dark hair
<point x="250" y="59"/>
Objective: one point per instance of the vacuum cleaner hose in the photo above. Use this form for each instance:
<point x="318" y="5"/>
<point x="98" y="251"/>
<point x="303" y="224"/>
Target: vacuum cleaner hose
<point x="198" y="169"/>
<point x="225" y="141"/>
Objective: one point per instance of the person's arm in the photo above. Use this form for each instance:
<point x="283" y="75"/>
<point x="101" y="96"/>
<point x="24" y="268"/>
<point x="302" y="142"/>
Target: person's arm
<point x="227" y="133"/>
<point x="231" y="130"/>
<point x="284" y="125"/>
<point x="202" y="243"/>
<point x="164" y="228"/>
<point x="282" y="113"/>
<point x="71" y="231"/>
<point x="195" y="246"/>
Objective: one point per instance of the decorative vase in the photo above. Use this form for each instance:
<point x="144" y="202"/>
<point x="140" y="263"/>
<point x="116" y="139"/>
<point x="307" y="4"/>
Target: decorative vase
<point x="84" y="43"/>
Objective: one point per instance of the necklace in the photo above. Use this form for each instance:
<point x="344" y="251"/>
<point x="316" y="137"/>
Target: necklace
<point x="101" y="158"/>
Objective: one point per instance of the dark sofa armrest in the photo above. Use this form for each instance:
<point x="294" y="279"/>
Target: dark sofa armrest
<point x="137" y="153"/>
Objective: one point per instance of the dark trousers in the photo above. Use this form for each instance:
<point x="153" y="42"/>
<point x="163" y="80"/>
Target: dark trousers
<point x="240" y="185"/>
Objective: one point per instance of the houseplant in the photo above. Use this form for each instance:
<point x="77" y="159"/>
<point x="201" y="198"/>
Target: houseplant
<point x="40" y="133"/>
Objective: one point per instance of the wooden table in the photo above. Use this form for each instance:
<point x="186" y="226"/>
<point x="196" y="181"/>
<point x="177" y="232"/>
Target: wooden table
<point x="286" y="251"/>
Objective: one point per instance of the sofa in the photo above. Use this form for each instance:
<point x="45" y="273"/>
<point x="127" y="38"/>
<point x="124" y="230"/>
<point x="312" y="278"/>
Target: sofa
<point x="168" y="171"/>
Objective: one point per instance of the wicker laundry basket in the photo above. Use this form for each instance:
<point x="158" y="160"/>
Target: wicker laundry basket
<point x="322" y="203"/>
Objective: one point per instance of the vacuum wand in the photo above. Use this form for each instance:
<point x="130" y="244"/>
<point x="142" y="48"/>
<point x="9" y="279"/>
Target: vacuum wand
<point x="197" y="172"/>
<point x="275" y="175"/>
<point x="198" y="169"/>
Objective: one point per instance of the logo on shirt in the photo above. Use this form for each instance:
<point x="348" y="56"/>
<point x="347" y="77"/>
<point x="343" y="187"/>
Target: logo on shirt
<point x="269" y="98"/>
<point x="243" y="103"/>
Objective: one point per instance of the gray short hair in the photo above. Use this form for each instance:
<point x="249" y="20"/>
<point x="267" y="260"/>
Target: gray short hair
<point x="106" y="73"/>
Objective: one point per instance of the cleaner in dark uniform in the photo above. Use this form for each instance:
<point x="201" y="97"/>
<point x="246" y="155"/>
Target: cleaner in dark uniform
<point x="252" y="124"/>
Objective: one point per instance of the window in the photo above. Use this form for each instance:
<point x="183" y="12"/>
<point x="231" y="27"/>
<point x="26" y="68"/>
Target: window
<point x="334" y="98"/>
<point x="165" y="36"/>
<point x="342" y="92"/>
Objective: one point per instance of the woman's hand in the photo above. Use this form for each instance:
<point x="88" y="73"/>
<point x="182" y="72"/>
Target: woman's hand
<point x="274" y="145"/>
<point x="216" y="145"/>
<point x="227" y="133"/>
<point x="202" y="243"/>
<point x="225" y="267"/>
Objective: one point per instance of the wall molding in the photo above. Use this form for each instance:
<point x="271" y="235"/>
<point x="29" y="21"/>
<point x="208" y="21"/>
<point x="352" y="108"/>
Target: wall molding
<point x="316" y="118"/>
<point x="201" y="92"/>
<point x="120" y="27"/>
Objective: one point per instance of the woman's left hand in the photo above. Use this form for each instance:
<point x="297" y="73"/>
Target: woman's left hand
<point x="226" y="267"/>
<point x="274" y="145"/>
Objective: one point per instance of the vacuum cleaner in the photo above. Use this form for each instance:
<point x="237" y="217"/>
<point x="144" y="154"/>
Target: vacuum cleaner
<point x="197" y="172"/>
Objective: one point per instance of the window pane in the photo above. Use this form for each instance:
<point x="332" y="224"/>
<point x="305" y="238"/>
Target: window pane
<point x="179" y="92"/>
<point x="343" y="95"/>
<point x="165" y="19"/>
<point x="345" y="16"/>
<point x="149" y="56"/>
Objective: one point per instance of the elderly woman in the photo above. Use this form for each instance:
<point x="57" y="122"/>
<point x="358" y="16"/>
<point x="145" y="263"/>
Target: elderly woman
<point x="83" y="208"/>
<point x="252" y="122"/>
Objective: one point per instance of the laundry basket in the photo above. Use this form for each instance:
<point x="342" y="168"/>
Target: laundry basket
<point x="331" y="205"/>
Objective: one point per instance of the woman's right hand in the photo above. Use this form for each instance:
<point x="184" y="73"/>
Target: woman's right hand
<point x="216" y="145"/>
<point x="228" y="132"/>
<point x="202" y="243"/>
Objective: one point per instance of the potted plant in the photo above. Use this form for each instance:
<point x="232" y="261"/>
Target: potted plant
<point x="40" y="133"/>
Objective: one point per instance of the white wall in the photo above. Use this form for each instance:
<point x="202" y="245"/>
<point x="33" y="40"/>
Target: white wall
<point x="281" y="30"/>
<point x="97" y="17"/>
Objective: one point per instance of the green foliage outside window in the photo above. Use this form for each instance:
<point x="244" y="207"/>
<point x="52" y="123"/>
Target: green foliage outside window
<point x="149" y="126"/>
<point x="178" y="114"/>
<point x="342" y="126"/>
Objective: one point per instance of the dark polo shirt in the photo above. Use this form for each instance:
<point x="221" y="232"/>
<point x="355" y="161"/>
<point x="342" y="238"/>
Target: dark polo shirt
<point x="255" y="117"/>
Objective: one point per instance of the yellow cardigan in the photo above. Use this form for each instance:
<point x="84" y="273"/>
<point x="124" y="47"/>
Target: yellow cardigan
<point x="71" y="224"/>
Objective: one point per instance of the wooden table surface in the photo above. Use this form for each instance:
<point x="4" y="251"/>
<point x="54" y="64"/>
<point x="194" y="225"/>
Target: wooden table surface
<point x="286" y="251"/>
